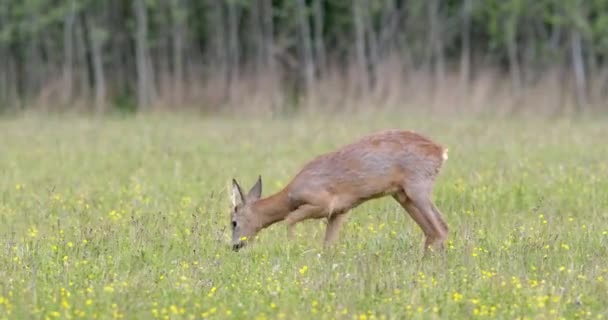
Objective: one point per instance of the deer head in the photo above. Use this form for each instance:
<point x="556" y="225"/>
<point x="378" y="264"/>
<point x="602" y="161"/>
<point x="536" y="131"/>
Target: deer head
<point x="245" y="225"/>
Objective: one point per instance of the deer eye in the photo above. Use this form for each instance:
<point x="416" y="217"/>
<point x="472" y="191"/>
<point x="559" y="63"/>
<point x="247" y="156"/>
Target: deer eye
<point x="233" y="224"/>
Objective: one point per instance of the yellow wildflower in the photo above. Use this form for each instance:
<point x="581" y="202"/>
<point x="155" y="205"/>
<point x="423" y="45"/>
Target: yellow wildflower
<point x="456" y="296"/>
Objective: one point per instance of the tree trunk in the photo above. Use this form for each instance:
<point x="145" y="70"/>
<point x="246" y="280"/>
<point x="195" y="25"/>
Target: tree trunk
<point x="94" y="38"/>
<point x="436" y="42"/>
<point x="402" y="43"/>
<point x="465" y="55"/>
<point x="219" y="51"/>
<point x="68" y="53"/>
<point x="145" y="82"/>
<point x="318" y="15"/>
<point x="267" y="14"/>
<point x="4" y="81"/>
<point x="361" y="57"/>
<point x="97" y="39"/>
<point x="390" y="20"/>
<point x="529" y="63"/>
<point x="18" y="76"/>
<point x="118" y="52"/>
<point x="578" y="68"/>
<point x="32" y="66"/>
<point x="593" y="74"/>
<point x="4" y="69"/>
<point x="268" y="30"/>
<point x="308" y="69"/>
<point x="178" y="54"/>
<point x="87" y="50"/>
<point x="234" y="53"/>
<point x="372" y="43"/>
<point x="257" y="32"/>
<point x="514" y="67"/>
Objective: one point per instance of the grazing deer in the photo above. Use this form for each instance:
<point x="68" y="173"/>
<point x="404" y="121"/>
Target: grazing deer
<point x="402" y="164"/>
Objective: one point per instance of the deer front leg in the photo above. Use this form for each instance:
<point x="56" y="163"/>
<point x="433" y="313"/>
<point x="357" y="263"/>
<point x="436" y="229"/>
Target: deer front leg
<point x="334" y="224"/>
<point x="303" y="212"/>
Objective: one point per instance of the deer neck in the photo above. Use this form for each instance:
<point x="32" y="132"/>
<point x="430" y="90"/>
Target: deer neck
<point x="273" y="208"/>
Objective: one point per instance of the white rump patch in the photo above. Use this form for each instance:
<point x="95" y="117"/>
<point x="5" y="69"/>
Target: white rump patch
<point x="445" y="154"/>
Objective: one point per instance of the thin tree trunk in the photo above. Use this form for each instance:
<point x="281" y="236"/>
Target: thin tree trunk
<point x="4" y="82"/>
<point x="93" y="38"/>
<point x="257" y="31"/>
<point x="145" y="82"/>
<point x="514" y="67"/>
<point x="390" y="20"/>
<point x="360" y="46"/>
<point x="593" y="74"/>
<point x="4" y="68"/>
<point x="120" y="62"/>
<point x="554" y="41"/>
<point x="578" y="68"/>
<point x="68" y="53"/>
<point x="47" y="61"/>
<point x="86" y="52"/>
<point x="234" y="53"/>
<point x="178" y="54"/>
<point x="268" y="30"/>
<point x="220" y="54"/>
<point x="318" y="15"/>
<point x="162" y="61"/>
<point x="436" y="42"/>
<point x="528" y="61"/>
<point x="18" y="76"/>
<point x="32" y="67"/>
<point x="372" y="43"/>
<point x="100" y="81"/>
<point x="465" y="55"/>
<point x="267" y="14"/>
<point x="306" y="47"/>
<point x="402" y="39"/>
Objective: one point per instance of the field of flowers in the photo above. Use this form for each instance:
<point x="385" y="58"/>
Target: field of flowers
<point x="129" y="218"/>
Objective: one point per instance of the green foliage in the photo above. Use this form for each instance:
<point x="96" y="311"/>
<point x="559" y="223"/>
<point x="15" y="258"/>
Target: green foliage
<point x="128" y="218"/>
<point x="497" y="17"/>
<point x="124" y="103"/>
<point x="29" y="18"/>
<point x="33" y="32"/>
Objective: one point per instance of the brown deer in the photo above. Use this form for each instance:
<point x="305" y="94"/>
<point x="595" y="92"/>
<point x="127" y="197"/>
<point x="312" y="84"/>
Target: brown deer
<point x="399" y="163"/>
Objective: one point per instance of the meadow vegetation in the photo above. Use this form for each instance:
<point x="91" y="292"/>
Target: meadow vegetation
<point x="129" y="218"/>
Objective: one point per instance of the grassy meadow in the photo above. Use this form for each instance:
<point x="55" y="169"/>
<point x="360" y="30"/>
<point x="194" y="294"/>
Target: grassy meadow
<point x="129" y="218"/>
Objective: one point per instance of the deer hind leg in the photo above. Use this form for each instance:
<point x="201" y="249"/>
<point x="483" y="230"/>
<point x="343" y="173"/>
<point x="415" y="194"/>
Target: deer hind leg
<point x="303" y="212"/>
<point x="438" y="231"/>
<point x="418" y="204"/>
<point x="418" y="217"/>
<point x="334" y="223"/>
<point x="438" y="216"/>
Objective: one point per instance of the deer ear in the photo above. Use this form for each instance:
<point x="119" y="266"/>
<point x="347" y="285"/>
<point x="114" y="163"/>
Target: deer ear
<point x="237" y="197"/>
<point x="256" y="191"/>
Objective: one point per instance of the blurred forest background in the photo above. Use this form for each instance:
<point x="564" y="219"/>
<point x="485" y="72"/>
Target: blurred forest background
<point x="498" y="56"/>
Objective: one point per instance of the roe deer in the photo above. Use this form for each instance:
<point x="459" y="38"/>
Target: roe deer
<point x="399" y="163"/>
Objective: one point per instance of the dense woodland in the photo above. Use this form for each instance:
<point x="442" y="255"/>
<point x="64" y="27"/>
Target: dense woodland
<point x="277" y="54"/>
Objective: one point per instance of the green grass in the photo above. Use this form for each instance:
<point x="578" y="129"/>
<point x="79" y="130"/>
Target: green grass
<point x="129" y="218"/>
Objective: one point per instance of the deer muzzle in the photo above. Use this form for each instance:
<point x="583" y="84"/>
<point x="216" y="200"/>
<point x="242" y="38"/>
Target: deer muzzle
<point x="238" y="246"/>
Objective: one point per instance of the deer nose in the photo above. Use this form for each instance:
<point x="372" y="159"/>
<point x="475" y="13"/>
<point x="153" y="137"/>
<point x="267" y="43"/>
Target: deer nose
<point x="236" y="247"/>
